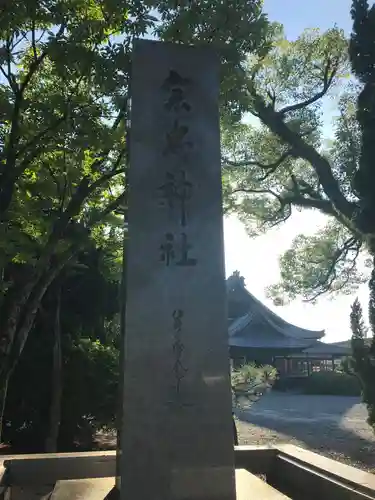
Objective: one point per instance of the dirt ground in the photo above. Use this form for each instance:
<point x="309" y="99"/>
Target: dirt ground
<point x="334" y="426"/>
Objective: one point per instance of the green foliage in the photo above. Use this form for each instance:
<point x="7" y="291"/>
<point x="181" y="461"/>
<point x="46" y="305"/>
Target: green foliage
<point x="236" y="29"/>
<point x="362" y="58"/>
<point x="357" y="324"/>
<point x="90" y="391"/>
<point x="90" y="350"/>
<point x="325" y="262"/>
<point x="358" y="341"/>
<point x="64" y="92"/>
<point x="279" y="161"/>
<point x="363" y="359"/>
<point x="252" y="375"/>
<point x="332" y="384"/>
<point x="251" y="381"/>
<point x="89" y="398"/>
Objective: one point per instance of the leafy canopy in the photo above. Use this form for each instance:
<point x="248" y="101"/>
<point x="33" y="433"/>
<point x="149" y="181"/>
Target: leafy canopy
<point x="279" y="160"/>
<point x="64" y="92"/>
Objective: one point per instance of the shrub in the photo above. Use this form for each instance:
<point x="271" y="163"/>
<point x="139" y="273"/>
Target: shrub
<point x="333" y="384"/>
<point x="89" y="398"/>
<point x="90" y="392"/>
<point x="250" y="381"/>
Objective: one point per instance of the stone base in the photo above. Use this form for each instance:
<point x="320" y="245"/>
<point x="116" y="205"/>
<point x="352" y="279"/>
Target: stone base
<point x="114" y="494"/>
<point x="83" y="489"/>
<point x="289" y="470"/>
<point x="247" y="485"/>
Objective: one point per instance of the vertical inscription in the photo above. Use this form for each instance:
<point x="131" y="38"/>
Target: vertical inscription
<point x="179" y="370"/>
<point x="177" y="190"/>
<point x="176" y="193"/>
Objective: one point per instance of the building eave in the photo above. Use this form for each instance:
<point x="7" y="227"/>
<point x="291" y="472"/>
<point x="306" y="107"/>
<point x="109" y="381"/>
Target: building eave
<point x="275" y="321"/>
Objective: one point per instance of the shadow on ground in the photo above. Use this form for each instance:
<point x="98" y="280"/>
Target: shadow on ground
<point x="333" y="425"/>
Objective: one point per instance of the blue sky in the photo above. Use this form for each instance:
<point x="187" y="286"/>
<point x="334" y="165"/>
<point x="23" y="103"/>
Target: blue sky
<point x="296" y="15"/>
<point x="257" y="259"/>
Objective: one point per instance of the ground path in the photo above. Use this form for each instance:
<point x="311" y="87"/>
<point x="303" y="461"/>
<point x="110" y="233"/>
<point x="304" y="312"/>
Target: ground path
<point x="332" y="425"/>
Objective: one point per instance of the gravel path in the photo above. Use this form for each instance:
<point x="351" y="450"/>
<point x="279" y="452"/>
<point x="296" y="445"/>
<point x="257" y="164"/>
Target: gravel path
<point x="334" y="426"/>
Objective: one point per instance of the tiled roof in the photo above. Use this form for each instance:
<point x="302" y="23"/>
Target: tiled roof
<point x="239" y="324"/>
<point x="323" y="348"/>
<point x="258" y="314"/>
<point x="261" y="341"/>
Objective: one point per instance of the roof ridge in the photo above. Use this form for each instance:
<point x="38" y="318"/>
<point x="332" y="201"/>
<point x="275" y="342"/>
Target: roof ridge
<point x="266" y="311"/>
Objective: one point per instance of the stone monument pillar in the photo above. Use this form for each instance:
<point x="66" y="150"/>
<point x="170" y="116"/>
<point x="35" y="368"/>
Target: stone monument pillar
<point x="177" y="435"/>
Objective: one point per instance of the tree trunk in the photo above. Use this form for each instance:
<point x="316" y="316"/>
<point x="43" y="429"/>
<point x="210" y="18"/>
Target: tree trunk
<point x="13" y="316"/>
<point x="11" y="348"/>
<point x="56" y="385"/>
<point x="3" y="398"/>
<point x="25" y="320"/>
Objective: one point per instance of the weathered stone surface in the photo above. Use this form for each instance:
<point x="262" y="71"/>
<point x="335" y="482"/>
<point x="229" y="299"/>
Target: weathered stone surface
<point x="249" y="487"/>
<point x="177" y="436"/>
<point x="83" y="489"/>
<point x="26" y="470"/>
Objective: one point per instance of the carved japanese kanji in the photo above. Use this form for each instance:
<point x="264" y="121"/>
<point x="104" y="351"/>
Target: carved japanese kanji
<point x="178" y="348"/>
<point x="168" y="251"/>
<point x="185" y="247"/>
<point x="176" y="86"/>
<point x="176" y="142"/>
<point x="177" y="190"/>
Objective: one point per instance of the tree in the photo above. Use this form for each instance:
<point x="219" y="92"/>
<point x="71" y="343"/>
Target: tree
<point x="290" y="167"/>
<point x="62" y="149"/>
<point x="64" y="92"/>
<point x="283" y="163"/>
<point x="357" y="324"/>
<point x="42" y="415"/>
<point x="363" y="358"/>
<point x="359" y="334"/>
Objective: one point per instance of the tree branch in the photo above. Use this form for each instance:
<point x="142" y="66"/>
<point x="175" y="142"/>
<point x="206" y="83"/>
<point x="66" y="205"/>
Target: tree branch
<point x="9" y="75"/>
<point x="108" y="209"/>
<point x="303" y="104"/>
<point x="36" y="139"/>
<point x="6" y="76"/>
<point x="291" y="199"/>
<point x="302" y="149"/>
<point x="9" y="174"/>
<point x="83" y="191"/>
<point x="33" y="43"/>
<point x="55" y="180"/>
<point x="31" y="307"/>
<point x="327" y="82"/>
<point x="321" y="205"/>
<point x="272" y="97"/>
<point x="329" y="277"/>
<point x="37" y="62"/>
<point x="273" y="220"/>
<point x="271" y="167"/>
<point x="258" y="191"/>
